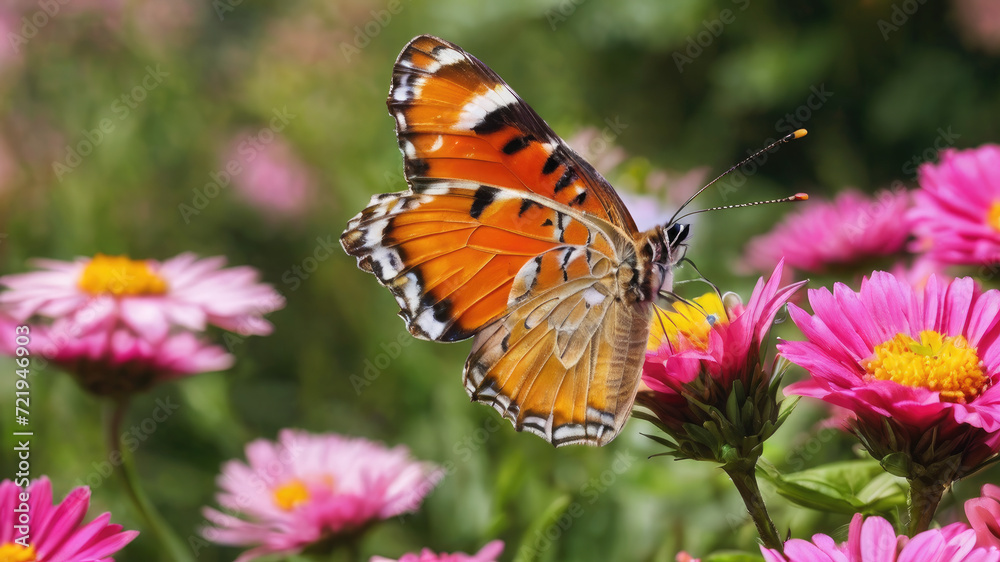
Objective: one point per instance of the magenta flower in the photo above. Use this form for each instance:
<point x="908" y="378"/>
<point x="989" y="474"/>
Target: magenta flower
<point x="921" y="361"/>
<point x="709" y="341"/>
<point x="54" y="533"/>
<point x="821" y="234"/>
<point x="984" y="516"/>
<point x="874" y="540"/>
<point x="488" y="553"/>
<point x="116" y="362"/>
<point x="956" y="211"/>
<point x="307" y="488"/>
<point x="149" y="298"/>
<point x="271" y="177"/>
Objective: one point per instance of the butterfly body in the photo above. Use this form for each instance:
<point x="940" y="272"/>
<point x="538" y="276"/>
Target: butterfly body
<point x="509" y="237"/>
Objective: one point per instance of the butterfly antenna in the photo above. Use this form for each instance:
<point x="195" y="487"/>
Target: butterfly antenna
<point x="789" y="199"/>
<point x="790" y="136"/>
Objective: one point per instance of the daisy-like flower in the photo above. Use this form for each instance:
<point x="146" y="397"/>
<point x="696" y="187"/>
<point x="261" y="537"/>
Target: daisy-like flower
<point x="698" y="352"/>
<point x="488" y="553"/>
<point x="149" y="298"/>
<point x="956" y="211"/>
<point x="984" y="516"/>
<point x="918" y="369"/>
<point x="116" y="362"/>
<point x="874" y="540"/>
<point x="708" y="389"/>
<point x="32" y="529"/>
<point x="307" y="489"/>
<point x="821" y="235"/>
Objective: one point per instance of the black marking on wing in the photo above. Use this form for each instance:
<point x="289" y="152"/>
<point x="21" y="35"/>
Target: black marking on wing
<point x="568" y="177"/>
<point x="485" y="196"/>
<point x="517" y="144"/>
<point x="493" y="121"/>
<point x="526" y="204"/>
<point x="557" y="157"/>
<point x="579" y="199"/>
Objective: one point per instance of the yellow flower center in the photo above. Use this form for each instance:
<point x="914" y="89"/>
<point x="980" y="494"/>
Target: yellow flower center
<point x="993" y="217"/>
<point x="291" y="494"/>
<point x="947" y="365"/>
<point x="120" y="276"/>
<point x="13" y="552"/>
<point x="692" y="320"/>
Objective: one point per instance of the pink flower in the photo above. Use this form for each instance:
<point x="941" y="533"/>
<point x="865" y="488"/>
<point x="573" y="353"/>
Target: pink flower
<point x="150" y="298"/>
<point x="698" y="356"/>
<point x="710" y="339"/>
<point x="305" y="488"/>
<point x="116" y="362"/>
<point x="956" y="211"/>
<point x="984" y="516"/>
<point x="874" y="540"/>
<point x="922" y="362"/>
<point x="488" y="553"/>
<point x="822" y="234"/>
<point x="272" y="178"/>
<point x="55" y="533"/>
<point x="979" y="21"/>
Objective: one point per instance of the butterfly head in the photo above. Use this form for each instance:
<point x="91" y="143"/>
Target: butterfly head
<point x="665" y="246"/>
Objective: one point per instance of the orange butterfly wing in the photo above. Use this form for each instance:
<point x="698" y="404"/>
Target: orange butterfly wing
<point x="507" y="235"/>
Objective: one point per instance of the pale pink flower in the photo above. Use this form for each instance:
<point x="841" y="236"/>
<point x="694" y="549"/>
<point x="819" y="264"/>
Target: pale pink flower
<point x="979" y="21"/>
<point x="874" y="540"/>
<point x="150" y="298"/>
<point x="306" y="487"/>
<point x="488" y="553"/>
<point x="956" y="211"/>
<point x="822" y="234"/>
<point x="984" y="516"/>
<point x="55" y="531"/>
<point x="271" y="177"/>
<point x="116" y="362"/>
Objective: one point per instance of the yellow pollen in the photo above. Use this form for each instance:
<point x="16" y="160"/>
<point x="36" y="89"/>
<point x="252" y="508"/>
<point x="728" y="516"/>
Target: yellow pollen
<point x="693" y="321"/>
<point x="945" y="364"/>
<point x="993" y="217"/>
<point x="120" y="276"/>
<point x="13" y="552"/>
<point x="291" y="494"/>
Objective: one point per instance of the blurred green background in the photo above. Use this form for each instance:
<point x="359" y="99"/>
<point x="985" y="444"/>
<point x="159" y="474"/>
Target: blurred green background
<point x="879" y="84"/>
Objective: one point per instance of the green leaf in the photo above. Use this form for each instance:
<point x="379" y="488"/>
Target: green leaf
<point x="843" y="487"/>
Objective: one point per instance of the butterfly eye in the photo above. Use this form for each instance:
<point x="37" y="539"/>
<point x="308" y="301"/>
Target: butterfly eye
<point x="677" y="233"/>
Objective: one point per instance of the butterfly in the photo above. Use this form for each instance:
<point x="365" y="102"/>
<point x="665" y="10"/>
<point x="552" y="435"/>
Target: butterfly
<point x="507" y="236"/>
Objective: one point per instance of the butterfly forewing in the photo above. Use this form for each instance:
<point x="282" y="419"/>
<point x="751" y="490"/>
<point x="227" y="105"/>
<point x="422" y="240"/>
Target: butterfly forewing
<point x="507" y="235"/>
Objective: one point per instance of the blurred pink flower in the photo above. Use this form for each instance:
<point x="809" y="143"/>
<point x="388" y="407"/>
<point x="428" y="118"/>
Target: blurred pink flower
<point x="305" y="488"/>
<point x="919" y="269"/>
<point x="104" y="293"/>
<point x="908" y="363"/>
<point x="56" y="534"/>
<point x="272" y="178"/>
<point x="984" y="516"/>
<point x="979" y="21"/>
<point x="874" y="540"/>
<point x="956" y="211"/>
<point x="488" y="553"/>
<point x="115" y="362"/>
<point x="821" y="234"/>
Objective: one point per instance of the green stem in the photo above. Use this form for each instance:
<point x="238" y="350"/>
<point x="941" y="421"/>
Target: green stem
<point x="172" y="545"/>
<point x="745" y="481"/>
<point x="924" y="500"/>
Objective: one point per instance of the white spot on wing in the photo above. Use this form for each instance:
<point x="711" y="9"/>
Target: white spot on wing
<point x="449" y="56"/>
<point x="593" y="296"/>
<point x="438" y="143"/>
<point x="476" y="109"/>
